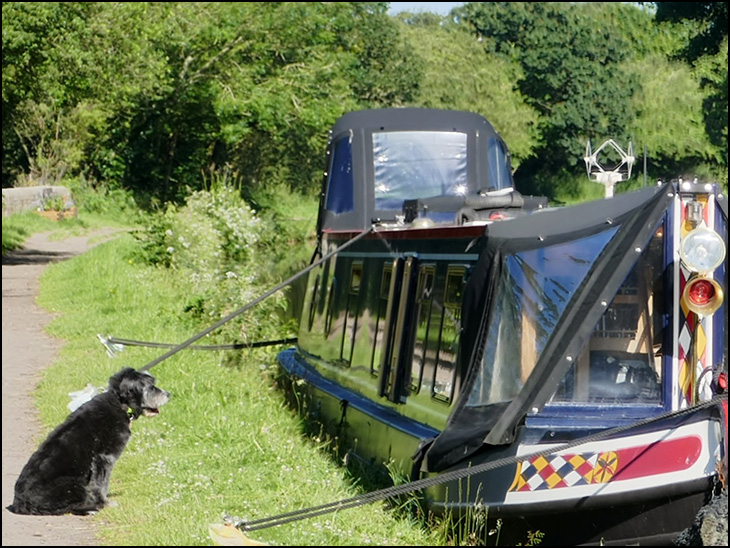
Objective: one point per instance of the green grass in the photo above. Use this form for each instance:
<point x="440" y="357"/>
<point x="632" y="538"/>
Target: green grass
<point x="226" y="443"/>
<point x="17" y="228"/>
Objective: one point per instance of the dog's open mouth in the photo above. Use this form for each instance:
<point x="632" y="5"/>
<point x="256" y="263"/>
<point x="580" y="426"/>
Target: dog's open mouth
<point x="150" y="411"/>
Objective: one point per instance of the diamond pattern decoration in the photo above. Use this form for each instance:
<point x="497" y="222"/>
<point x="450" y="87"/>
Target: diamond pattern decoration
<point x="558" y="471"/>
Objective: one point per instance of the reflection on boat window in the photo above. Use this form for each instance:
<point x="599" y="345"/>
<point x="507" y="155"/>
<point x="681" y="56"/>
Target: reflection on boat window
<point x="418" y="164"/>
<point x="349" y="331"/>
<point x="313" y="303"/>
<point x="424" y="342"/>
<point x="330" y="307"/>
<point x="534" y="289"/>
<point x="622" y="360"/>
<point x="500" y="173"/>
<point x="450" y="322"/>
<point x="380" y="321"/>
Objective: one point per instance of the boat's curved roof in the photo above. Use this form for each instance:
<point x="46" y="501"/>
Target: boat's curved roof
<point x="414" y="119"/>
<point x="377" y="161"/>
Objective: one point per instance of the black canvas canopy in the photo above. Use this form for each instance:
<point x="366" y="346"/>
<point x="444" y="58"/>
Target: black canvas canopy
<point x="614" y="231"/>
<point x="377" y="159"/>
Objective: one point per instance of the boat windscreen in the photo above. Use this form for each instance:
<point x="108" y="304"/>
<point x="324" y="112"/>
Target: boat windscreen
<point x="534" y="288"/>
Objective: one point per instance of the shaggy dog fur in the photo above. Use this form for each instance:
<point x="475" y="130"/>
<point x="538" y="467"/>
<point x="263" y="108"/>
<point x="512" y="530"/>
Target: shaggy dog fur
<point x="70" y="471"/>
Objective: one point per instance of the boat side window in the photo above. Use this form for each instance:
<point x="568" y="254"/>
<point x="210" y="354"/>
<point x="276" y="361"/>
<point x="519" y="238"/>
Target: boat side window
<point x="622" y="361"/>
<point x="355" y="277"/>
<point x="330" y="307"/>
<point x="380" y="322"/>
<point x="500" y="174"/>
<point x="313" y="303"/>
<point x="418" y="164"/>
<point x="340" y="187"/>
<point x="450" y="329"/>
<point x="422" y="342"/>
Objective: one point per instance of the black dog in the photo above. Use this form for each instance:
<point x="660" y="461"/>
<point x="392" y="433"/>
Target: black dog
<point x="70" y="471"/>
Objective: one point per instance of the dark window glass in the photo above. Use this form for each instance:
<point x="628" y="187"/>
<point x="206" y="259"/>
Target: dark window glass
<point x="380" y="322"/>
<point x="340" y="194"/>
<point x="500" y="175"/>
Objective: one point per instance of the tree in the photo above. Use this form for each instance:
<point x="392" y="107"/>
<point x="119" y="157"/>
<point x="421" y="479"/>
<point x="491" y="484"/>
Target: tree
<point x="309" y="63"/>
<point x="707" y="49"/>
<point x="67" y="67"/>
<point x="669" y="118"/>
<point x="570" y="75"/>
<point x="149" y="95"/>
<point x="458" y="75"/>
<point x="712" y="25"/>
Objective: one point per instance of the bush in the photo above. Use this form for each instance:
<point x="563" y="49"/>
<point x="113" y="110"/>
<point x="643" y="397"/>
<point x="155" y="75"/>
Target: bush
<point x="213" y="241"/>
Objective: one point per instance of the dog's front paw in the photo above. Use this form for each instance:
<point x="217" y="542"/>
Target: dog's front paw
<point x="84" y="511"/>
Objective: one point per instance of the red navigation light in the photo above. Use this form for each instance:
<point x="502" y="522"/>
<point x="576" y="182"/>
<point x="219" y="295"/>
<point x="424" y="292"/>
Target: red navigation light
<point x="702" y="295"/>
<point x="722" y="381"/>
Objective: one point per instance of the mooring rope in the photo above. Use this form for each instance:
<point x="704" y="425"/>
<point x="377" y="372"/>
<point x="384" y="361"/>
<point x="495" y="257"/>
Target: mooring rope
<point x="461" y="473"/>
<point x="230" y="346"/>
<point x="253" y="303"/>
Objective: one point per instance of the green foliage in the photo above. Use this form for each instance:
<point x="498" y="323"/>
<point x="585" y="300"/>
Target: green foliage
<point x="67" y="66"/>
<point x="105" y="201"/>
<point x="458" y="75"/>
<point x="291" y="217"/>
<point x="385" y="71"/>
<point x="712" y="69"/>
<point x="670" y="118"/>
<point x="147" y="96"/>
<point x="711" y="25"/>
<point x="156" y="239"/>
<point x="310" y="63"/>
<point x="703" y="27"/>
<point x="190" y="85"/>
<point x="598" y="71"/>
<point x="213" y="243"/>
<point x="570" y="70"/>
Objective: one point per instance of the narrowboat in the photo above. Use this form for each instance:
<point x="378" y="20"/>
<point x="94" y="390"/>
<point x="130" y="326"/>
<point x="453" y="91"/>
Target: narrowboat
<point x="459" y="322"/>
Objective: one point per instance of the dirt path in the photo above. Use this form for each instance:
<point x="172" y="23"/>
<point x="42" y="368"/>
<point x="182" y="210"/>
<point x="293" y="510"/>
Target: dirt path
<point x="27" y="350"/>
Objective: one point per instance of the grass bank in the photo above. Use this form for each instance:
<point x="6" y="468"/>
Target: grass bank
<point x="226" y="443"/>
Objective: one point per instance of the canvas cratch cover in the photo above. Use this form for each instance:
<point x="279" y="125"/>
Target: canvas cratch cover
<point x="541" y="282"/>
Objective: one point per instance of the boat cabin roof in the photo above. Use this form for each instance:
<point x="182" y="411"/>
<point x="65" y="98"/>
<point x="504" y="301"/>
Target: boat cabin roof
<point x="389" y="166"/>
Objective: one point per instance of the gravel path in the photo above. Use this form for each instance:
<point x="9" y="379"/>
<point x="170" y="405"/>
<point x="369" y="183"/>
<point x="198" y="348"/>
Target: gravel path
<point x="26" y="351"/>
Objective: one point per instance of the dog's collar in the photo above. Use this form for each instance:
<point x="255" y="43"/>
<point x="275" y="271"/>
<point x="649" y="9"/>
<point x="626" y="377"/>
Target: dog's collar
<point x="131" y="414"/>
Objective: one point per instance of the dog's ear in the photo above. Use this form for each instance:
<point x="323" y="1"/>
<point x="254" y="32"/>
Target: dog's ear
<point x="115" y="380"/>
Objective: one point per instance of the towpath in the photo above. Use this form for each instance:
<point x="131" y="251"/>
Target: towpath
<point x="26" y="351"/>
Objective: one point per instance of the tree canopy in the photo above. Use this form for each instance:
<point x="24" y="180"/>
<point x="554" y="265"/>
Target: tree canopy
<point x="152" y="96"/>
